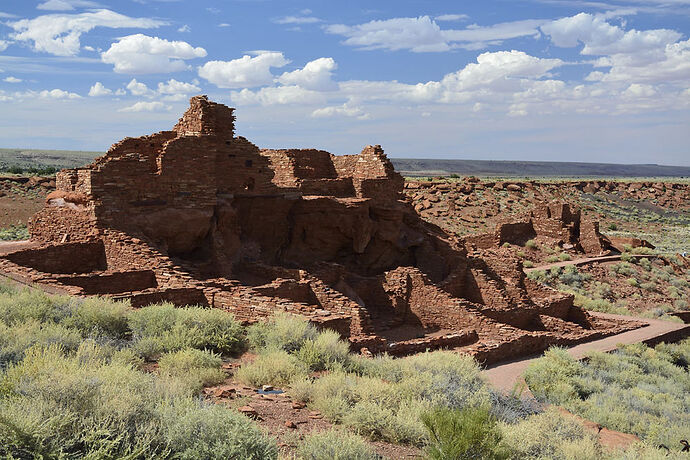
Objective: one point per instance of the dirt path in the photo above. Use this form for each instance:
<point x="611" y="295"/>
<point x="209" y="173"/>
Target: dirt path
<point x="506" y="375"/>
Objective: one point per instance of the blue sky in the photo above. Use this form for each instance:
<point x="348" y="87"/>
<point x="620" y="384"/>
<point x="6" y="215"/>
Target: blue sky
<point x="552" y="80"/>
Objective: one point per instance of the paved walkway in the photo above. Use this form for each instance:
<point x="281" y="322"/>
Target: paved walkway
<point x="506" y="375"/>
<point x="587" y="260"/>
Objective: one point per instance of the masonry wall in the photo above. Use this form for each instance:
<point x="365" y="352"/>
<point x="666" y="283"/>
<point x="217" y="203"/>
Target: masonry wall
<point x="80" y="257"/>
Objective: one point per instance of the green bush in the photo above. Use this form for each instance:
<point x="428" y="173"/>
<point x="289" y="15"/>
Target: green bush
<point x="162" y="328"/>
<point x="470" y="433"/>
<point x="14" y="233"/>
<point x="636" y="389"/>
<point x="324" y="352"/>
<point x="98" y="317"/>
<point x="551" y="435"/>
<point x="385" y="398"/>
<point x="645" y="263"/>
<point x="632" y="282"/>
<point x="276" y="367"/>
<point x="531" y="244"/>
<point x="334" y="444"/>
<point x="552" y="259"/>
<point x="564" y="256"/>
<point x="59" y="406"/>
<point x="282" y="332"/>
<point x="15" y="340"/>
<point x="200" y="365"/>
<point x="93" y="317"/>
<point x="528" y="264"/>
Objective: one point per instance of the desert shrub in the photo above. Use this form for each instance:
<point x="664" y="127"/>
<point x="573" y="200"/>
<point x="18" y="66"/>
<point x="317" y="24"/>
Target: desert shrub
<point x="335" y="444"/>
<point x="563" y="256"/>
<point x="283" y="331"/>
<point x="645" y="263"/>
<point x="386" y="396"/>
<point x="92" y="317"/>
<point x="14" y="233"/>
<point x="521" y="254"/>
<point x="324" y="352"/>
<point x="192" y="431"/>
<point x="637" y="389"/>
<point x="613" y="226"/>
<point x="59" y="406"/>
<point x="528" y="264"/>
<point x="510" y="408"/>
<point x="627" y="257"/>
<point x="632" y="282"/>
<point x="531" y="244"/>
<point x="15" y="340"/>
<point x="200" y="365"/>
<point x="572" y="277"/>
<point x="551" y="435"/>
<point x="651" y="287"/>
<point x="470" y="433"/>
<point x="623" y="269"/>
<point x="643" y="251"/>
<point x="98" y="317"/>
<point x="32" y="304"/>
<point x="601" y="305"/>
<point x="276" y="367"/>
<point x="163" y="328"/>
<point x="552" y="259"/>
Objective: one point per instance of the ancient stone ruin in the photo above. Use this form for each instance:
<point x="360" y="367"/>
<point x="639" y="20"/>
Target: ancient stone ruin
<point x="198" y="215"/>
<point x="558" y="224"/>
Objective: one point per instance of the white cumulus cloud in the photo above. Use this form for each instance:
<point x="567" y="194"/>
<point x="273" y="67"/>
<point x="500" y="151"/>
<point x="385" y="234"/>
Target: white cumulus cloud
<point x="66" y="5"/>
<point x="56" y="94"/>
<point x="3" y="45"/>
<point x="451" y="17"/>
<point x="153" y="106"/>
<point x="99" y="90"/>
<point x="315" y="75"/>
<point x="277" y="95"/>
<point x="140" y="54"/>
<point x="245" y="72"/>
<point x="60" y="34"/>
<point x="423" y="34"/>
<point x="601" y="38"/>
<point x="11" y="79"/>
<point x="345" y="110"/>
<point x="174" y="87"/>
<point x="138" y="88"/>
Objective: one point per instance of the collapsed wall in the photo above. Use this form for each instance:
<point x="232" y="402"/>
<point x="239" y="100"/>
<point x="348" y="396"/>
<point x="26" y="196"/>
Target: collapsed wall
<point x="199" y="215"/>
<point x="559" y="223"/>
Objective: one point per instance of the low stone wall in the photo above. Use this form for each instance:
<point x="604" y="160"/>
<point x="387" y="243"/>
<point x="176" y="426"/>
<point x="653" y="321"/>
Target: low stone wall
<point x="112" y="283"/>
<point x="80" y="257"/>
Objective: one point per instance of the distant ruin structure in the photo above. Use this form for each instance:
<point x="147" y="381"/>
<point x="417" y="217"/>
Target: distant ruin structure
<point x="558" y="223"/>
<point x="198" y="215"/>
